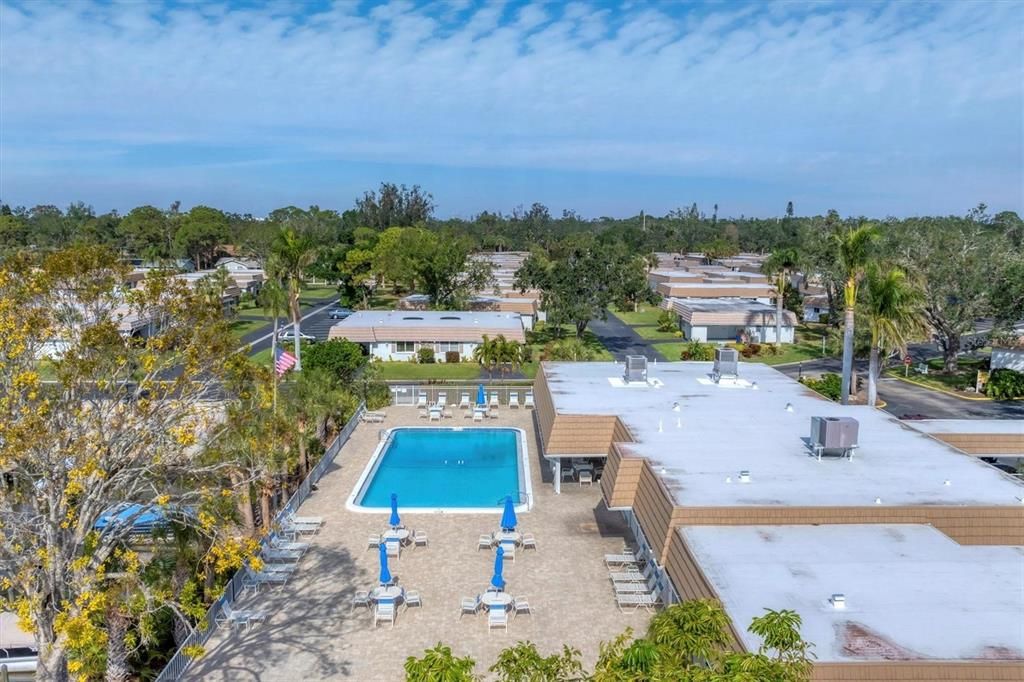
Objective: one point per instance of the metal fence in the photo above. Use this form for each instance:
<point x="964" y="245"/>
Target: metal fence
<point x="203" y="630"/>
<point x="410" y="394"/>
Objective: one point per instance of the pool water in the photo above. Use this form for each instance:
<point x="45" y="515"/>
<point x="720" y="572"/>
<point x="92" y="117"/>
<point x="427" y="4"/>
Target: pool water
<point x="445" y="468"/>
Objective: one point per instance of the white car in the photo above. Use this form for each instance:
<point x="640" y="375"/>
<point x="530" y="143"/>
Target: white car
<point x="289" y="335"/>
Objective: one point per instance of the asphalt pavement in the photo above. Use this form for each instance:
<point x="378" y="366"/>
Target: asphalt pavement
<point x="315" y="321"/>
<point x="622" y="340"/>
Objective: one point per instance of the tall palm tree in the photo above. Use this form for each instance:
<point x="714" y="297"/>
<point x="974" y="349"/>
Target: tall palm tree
<point x="488" y="353"/>
<point x="853" y="253"/>
<point x="312" y="397"/>
<point x="893" y="308"/>
<point x="295" y="252"/>
<point x="782" y="264"/>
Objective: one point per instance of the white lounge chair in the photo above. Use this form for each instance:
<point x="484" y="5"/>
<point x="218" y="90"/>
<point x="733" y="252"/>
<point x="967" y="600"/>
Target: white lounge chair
<point x="281" y="555"/>
<point x="637" y="601"/>
<point x="492" y="413"/>
<point x="529" y="542"/>
<point x="419" y="538"/>
<point x="424" y="414"/>
<point x="442" y="399"/>
<point x="521" y="605"/>
<point x="436" y="415"/>
<point x="372" y="417"/>
<point x="278" y="542"/>
<point x="300" y="528"/>
<point x="497" y="618"/>
<point x="229" y="616"/>
<point x="510" y="551"/>
<point x="478" y="415"/>
<point x="513" y="400"/>
<point x="468" y="414"/>
<point x="394" y="549"/>
<point x="412" y="598"/>
<point x="619" y="559"/>
<point x="362" y="599"/>
<point x="372" y="542"/>
<point x="464" y="401"/>
<point x="627" y="577"/>
<point x="255" y="580"/>
<point x="528" y="402"/>
<point x="632" y="588"/>
<point x="586" y="476"/>
<point x="469" y="605"/>
<point x="448" y="413"/>
<point x="385" y="611"/>
<point x="421" y="400"/>
<point x="494" y="399"/>
<point x="306" y="520"/>
<point x="485" y="542"/>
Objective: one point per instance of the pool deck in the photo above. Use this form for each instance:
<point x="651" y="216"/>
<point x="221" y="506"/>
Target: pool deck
<point x="312" y="634"/>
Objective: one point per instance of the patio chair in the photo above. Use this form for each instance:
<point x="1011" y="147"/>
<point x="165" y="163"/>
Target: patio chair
<point x="529" y="542"/>
<point x="631" y="588"/>
<point x="469" y="605"/>
<point x="361" y="598"/>
<point x="513" y="400"/>
<point x="424" y="414"/>
<point x="485" y="542"/>
<point x="493" y="402"/>
<point x="281" y="555"/>
<point x="385" y="611"/>
<point x="510" y="551"/>
<point x="254" y="580"/>
<point x="228" y="616"/>
<point x="412" y="598"/>
<point x="464" y="401"/>
<point x="372" y="542"/>
<point x="627" y="576"/>
<point x="528" y="402"/>
<point x="442" y="399"/>
<point x="419" y="538"/>
<point x="448" y="413"/>
<point x="421" y="400"/>
<point x="278" y="542"/>
<point x="492" y="413"/>
<point x="497" y="618"/>
<point x="521" y="605"/>
<point x="469" y="414"/>
<point x="638" y="601"/>
<point x="394" y="549"/>
<point x="567" y="473"/>
<point x="619" y="559"/>
<point x="435" y="415"/>
<point x="586" y="477"/>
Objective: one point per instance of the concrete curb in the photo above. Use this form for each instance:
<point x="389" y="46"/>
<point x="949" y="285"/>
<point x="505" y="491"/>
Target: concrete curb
<point x="977" y="399"/>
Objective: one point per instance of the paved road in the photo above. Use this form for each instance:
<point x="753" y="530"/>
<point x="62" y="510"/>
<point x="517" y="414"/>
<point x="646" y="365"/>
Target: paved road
<point x="314" y="321"/>
<point x="621" y="339"/>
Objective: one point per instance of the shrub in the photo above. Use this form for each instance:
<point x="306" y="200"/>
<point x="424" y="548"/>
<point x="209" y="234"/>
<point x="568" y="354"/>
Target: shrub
<point x="340" y="357"/>
<point x="697" y="352"/>
<point x="425" y="355"/>
<point x="771" y="349"/>
<point x="1005" y="384"/>
<point x="678" y="333"/>
<point x="829" y="385"/>
<point x="755" y="348"/>
<point x="452" y="356"/>
<point x="667" y="321"/>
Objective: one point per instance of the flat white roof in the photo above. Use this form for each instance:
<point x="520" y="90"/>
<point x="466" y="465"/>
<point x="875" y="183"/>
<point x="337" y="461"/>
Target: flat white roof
<point x="993" y="426"/>
<point x="405" y="319"/>
<point x="911" y="592"/>
<point x="722" y="429"/>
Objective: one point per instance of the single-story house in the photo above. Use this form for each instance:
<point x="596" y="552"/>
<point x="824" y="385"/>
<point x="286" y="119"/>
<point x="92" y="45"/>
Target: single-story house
<point x="399" y="334"/>
<point x="760" y="292"/>
<point x="1009" y="356"/>
<point x="525" y="306"/>
<point x="729" y="319"/>
<point x="235" y="263"/>
<point x="816" y="308"/>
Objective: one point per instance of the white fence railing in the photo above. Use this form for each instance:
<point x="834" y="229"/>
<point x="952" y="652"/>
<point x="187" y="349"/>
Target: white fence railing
<point x="409" y="394"/>
<point x="203" y="630"/>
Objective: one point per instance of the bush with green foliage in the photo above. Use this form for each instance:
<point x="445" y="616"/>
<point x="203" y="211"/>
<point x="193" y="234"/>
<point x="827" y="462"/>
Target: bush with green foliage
<point x="667" y="321"/>
<point x="572" y="349"/>
<point x="522" y="662"/>
<point x="1005" y="384"/>
<point x="695" y="351"/>
<point x="425" y="355"/>
<point x="829" y="385"/>
<point x="439" y="665"/>
<point x="340" y="358"/>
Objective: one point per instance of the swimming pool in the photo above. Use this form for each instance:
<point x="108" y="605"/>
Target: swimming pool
<point x="445" y="469"/>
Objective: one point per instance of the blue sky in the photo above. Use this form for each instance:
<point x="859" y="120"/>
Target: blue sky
<point x="606" y="108"/>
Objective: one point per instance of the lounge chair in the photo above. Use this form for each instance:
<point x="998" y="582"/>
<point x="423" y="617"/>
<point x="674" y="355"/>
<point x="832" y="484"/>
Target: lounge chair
<point x="281" y="555"/>
<point x="448" y="413"/>
<point x="394" y="549"/>
<point x="269" y="567"/>
<point x="424" y="414"/>
<point x="587" y="477"/>
<point x="442" y="399"/>
<point x="492" y="413"/>
<point x="361" y="598"/>
<point x="436" y="415"/>
<point x="497" y="618"/>
<point x="529" y="542"/>
<point x="372" y="417"/>
<point x="494" y="399"/>
<point x="468" y="414"/>
<point x="421" y="400"/>
<point x="469" y="605"/>
<point x="306" y="520"/>
<point x="228" y="616"/>
<point x="254" y="580"/>
<point x="464" y="401"/>
<point x="528" y="402"/>
<point x="619" y="559"/>
<point x="637" y="601"/>
<point x="485" y="542"/>
<point x="513" y="400"/>
<point x="419" y="538"/>
<point x="521" y="605"/>
<point x="478" y="415"/>
<point x="510" y="551"/>
<point x="372" y="542"/>
<point x="632" y="588"/>
<point x="412" y="598"/>
<point x="292" y="528"/>
<point x="385" y="611"/>
<point x="278" y="542"/>
<point x="627" y="577"/>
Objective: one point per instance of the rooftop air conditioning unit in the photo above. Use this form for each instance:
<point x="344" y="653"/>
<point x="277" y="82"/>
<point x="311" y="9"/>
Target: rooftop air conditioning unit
<point x="834" y="433"/>
<point x="727" y="361"/>
<point x="636" y="369"/>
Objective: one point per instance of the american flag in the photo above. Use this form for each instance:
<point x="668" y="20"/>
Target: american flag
<point x="284" y="362"/>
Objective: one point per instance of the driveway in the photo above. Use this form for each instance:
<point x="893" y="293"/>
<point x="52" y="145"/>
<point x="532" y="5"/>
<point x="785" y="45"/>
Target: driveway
<point x="621" y="340"/>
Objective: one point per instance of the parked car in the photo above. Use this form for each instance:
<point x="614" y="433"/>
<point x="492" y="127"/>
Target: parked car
<point x="289" y="335"/>
<point x="339" y="313"/>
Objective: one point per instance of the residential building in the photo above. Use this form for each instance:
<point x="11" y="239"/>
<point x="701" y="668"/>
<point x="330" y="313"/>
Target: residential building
<point x="1009" y="355"/>
<point x="816" y="308"/>
<point x="398" y="335"/>
<point x="526" y="306"/>
<point x="729" y="319"/>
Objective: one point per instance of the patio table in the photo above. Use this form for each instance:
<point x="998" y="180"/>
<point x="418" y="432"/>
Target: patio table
<point x="504" y="536"/>
<point x="392" y="593"/>
<point x="400" y="534"/>
<point x="496" y="599"/>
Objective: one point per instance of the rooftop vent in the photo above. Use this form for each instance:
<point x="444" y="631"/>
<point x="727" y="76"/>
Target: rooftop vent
<point x="744" y="476"/>
<point x="838" y="601"/>
<point x="727" y="361"/>
<point x="636" y="369"/>
<point x="831" y="434"/>
<point x="411" y="317"/>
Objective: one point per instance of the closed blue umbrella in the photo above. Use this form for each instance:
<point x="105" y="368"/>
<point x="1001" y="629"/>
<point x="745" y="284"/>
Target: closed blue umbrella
<point x="385" y="572"/>
<point x="394" y="520"/>
<point x="508" y="517"/>
<point x="499" y="563"/>
<point x="481" y="395"/>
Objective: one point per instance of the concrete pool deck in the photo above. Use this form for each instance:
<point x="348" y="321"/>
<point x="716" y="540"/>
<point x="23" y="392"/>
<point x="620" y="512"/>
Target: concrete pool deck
<point x="312" y="633"/>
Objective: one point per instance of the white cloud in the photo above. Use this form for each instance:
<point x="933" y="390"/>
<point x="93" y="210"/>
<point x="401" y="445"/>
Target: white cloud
<point x="860" y="96"/>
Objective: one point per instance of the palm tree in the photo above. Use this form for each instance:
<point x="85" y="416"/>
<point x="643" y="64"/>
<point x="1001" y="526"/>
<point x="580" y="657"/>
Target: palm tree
<point x="892" y="307"/>
<point x="488" y="353"/>
<point x="782" y="264"/>
<point x="853" y="252"/>
<point x="294" y="252"/>
<point x="312" y="398"/>
<point x="274" y="299"/>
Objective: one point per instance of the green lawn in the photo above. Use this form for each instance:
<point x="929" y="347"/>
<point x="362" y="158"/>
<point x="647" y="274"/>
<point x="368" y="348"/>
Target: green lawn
<point x="311" y="294"/>
<point x="240" y="328"/>
<point x="807" y="347"/>
<point x="549" y="333"/>
<point x="415" y="371"/>
<point x="966" y="376"/>
<point x="652" y="334"/>
<point x="645" y="315"/>
<point x="670" y="350"/>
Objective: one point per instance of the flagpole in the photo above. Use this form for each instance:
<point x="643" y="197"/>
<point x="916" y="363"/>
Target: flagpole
<point x="273" y="360"/>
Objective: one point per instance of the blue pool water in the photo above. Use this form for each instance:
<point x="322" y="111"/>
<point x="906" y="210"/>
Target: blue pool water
<point x="472" y="467"/>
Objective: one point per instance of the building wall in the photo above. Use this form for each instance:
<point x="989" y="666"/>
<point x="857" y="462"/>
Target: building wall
<point x="814" y="313"/>
<point x="386" y="351"/>
<point x="1008" y="358"/>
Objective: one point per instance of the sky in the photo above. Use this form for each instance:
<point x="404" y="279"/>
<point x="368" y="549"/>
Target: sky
<point x="873" y="109"/>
